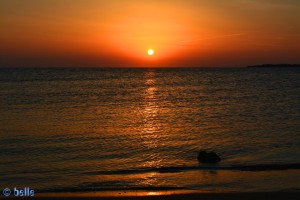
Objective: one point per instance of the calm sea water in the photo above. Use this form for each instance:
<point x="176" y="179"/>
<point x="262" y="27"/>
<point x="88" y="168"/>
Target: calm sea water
<point x="140" y="129"/>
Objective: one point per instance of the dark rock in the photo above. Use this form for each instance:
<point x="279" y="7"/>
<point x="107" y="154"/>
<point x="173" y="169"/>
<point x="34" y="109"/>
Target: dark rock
<point x="208" y="157"/>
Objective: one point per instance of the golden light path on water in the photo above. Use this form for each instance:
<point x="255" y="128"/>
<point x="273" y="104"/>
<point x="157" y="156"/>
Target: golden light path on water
<point x="151" y="126"/>
<point x="150" y="112"/>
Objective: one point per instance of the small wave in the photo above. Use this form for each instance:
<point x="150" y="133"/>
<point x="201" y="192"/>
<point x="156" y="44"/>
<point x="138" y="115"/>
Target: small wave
<point x="97" y="189"/>
<point x="262" y="167"/>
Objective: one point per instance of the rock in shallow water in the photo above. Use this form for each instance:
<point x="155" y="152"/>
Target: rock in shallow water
<point x="208" y="157"/>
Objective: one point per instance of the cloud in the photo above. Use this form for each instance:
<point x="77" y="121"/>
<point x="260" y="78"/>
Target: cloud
<point x="213" y="37"/>
<point x="271" y="3"/>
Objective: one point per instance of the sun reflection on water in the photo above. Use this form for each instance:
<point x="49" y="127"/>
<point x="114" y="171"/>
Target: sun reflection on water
<point x="153" y="193"/>
<point x="151" y="108"/>
<point x="151" y="124"/>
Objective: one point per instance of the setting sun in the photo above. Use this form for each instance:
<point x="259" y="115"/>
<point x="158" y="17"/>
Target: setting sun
<point x="150" y="52"/>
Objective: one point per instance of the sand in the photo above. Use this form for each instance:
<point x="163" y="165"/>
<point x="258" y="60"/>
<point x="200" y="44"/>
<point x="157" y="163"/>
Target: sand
<point x="192" y="196"/>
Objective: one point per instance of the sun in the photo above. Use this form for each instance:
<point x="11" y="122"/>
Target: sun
<point x="150" y="52"/>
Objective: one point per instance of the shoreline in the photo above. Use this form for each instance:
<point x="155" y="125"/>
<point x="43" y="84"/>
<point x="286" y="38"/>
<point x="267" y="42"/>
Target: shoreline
<point x="170" y="195"/>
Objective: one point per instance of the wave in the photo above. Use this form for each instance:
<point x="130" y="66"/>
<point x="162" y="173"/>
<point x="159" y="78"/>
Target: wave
<point x="97" y="189"/>
<point x="261" y="167"/>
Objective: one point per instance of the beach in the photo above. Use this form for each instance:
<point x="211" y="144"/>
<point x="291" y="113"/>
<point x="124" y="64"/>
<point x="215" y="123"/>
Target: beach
<point x="189" y="196"/>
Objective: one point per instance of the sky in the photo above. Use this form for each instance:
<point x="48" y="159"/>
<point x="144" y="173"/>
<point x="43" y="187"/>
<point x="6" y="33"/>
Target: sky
<point x="118" y="33"/>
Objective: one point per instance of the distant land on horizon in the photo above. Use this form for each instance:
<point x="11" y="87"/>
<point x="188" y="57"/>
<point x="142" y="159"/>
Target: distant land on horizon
<point x="275" y="65"/>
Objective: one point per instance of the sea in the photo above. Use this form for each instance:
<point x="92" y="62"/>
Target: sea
<point x="124" y="129"/>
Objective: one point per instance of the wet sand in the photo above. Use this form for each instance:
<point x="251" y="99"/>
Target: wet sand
<point x="192" y="196"/>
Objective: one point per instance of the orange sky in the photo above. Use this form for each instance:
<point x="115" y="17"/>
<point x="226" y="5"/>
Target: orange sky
<point x="118" y="33"/>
